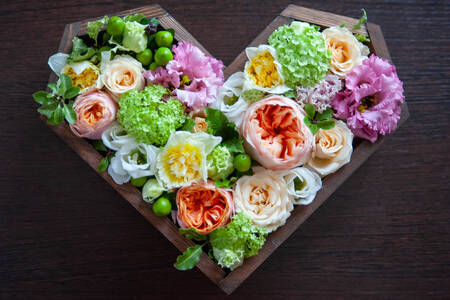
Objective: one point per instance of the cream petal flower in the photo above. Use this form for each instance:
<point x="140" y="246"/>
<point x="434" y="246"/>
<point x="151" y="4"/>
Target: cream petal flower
<point x="122" y="74"/>
<point x="232" y="88"/>
<point x="303" y="184"/>
<point x="347" y="52"/>
<point x="182" y="161"/>
<point x="115" y="137"/>
<point x="116" y="171"/>
<point x="264" y="198"/>
<point x="262" y="71"/>
<point x="332" y="149"/>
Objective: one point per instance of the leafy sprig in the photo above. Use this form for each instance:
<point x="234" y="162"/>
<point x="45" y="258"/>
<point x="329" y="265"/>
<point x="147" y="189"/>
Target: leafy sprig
<point x="315" y="120"/>
<point x="57" y="105"/>
<point x="189" y="258"/>
<point x="219" y="125"/>
<point x="362" y="20"/>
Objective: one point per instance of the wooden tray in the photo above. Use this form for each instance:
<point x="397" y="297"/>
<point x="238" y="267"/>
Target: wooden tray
<point x="228" y="282"/>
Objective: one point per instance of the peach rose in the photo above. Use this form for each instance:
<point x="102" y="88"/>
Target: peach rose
<point x="200" y="125"/>
<point x="347" y="52"/>
<point x="274" y="133"/>
<point x="204" y="207"/>
<point x="96" y="111"/>
<point x="264" y="198"/>
<point x="332" y="149"/>
<point x="122" y="74"/>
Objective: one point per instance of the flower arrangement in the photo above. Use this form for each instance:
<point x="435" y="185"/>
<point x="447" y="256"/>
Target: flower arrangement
<point x="227" y="160"/>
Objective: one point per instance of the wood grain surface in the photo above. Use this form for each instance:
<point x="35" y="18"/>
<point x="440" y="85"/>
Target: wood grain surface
<point x="65" y="233"/>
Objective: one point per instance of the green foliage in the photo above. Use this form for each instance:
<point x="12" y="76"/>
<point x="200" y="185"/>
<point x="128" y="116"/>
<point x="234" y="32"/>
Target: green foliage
<point x="362" y="20"/>
<point x="219" y="125"/>
<point x="80" y="51"/>
<point x="148" y="118"/>
<point x="104" y="163"/>
<point x="95" y="27"/>
<point x="189" y="258"/>
<point x="192" y="234"/>
<point x="56" y="106"/>
<point x="315" y="120"/>
<point x="252" y="95"/>
<point x="362" y="38"/>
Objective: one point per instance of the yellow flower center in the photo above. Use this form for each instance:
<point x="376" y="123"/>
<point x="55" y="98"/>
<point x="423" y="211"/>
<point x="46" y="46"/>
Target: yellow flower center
<point x="85" y="79"/>
<point x="263" y="70"/>
<point x="366" y="103"/>
<point x="182" y="163"/>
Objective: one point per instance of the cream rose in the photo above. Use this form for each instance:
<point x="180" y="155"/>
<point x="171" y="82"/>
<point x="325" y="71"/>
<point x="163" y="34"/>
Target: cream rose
<point x="332" y="149"/>
<point x="122" y="74"/>
<point x="264" y="198"/>
<point x="303" y="184"/>
<point x="346" y="51"/>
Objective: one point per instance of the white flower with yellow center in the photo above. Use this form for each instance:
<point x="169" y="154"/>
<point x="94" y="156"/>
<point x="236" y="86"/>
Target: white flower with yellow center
<point x="182" y="161"/>
<point x="263" y="71"/>
<point x="303" y="184"/>
<point x="84" y="75"/>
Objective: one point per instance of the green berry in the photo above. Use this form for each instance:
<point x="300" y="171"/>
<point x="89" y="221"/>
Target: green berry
<point x="242" y="162"/>
<point x="145" y="57"/>
<point x="153" y="66"/>
<point x="163" y="38"/>
<point x="163" y="55"/>
<point x="162" y="207"/>
<point x="115" y="26"/>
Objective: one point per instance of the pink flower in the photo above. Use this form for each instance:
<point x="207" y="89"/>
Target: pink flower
<point x="204" y="75"/>
<point x="96" y="111"/>
<point x="370" y="103"/>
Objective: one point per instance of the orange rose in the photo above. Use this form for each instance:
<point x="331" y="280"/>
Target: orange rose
<point x="204" y="207"/>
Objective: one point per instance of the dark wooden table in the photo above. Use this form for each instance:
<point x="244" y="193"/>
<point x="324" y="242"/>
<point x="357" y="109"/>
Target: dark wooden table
<point x="65" y="233"/>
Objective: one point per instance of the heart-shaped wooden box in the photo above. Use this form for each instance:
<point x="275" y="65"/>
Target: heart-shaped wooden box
<point x="228" y="282"/>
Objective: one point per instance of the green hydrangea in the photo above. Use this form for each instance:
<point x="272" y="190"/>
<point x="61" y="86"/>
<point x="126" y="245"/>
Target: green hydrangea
<point x="238" y="240"/>
<point x="302" y="53"/>
<point x="149" y="119"/>
<point x="220" y="163"/>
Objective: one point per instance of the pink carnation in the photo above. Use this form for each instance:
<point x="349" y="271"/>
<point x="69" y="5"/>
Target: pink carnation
<point x="204" y="72"/>
<point x="370" y="103"/>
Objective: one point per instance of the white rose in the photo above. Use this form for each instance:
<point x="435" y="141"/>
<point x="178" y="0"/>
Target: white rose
<point x="115" y="137"/>
<point x="302" y="184"/>
<point x="347" y="52"/>
<point x="122" y="74"/>
<point x="332" y="149"/>
<point x="232" y="88"/>
<point x="264" y="198"/>
<point x="133" y="160"/>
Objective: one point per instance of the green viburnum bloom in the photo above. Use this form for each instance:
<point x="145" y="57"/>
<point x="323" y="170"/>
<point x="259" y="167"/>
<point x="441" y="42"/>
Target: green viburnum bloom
<point x="302" y="53"/>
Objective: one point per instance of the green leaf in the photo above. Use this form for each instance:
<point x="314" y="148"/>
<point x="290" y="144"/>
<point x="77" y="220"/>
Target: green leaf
<point x="226" y="183"/>
<point x="136" y="17"/>
<point x="216" y="120"/>
<point x="252" y="95"/>
<point x="155" y="21"/>
<point x="361" y="21"/>
<point x="52" y="86"/>
<point x="192" y="234"/>
<point x="314" y="128"/>
<point x="99" y="146"/>
<point x="342" y="25"/>
<point x="64" y="83"/>
<point x="290" y="94"/>
<point x="80" y="51"/>
<point x="325" y="115"/>
<point x="71" y="92"/>
<point x="235" y="145"/>
<point x="48" y="109"/>
<point x="362" y="38"/>
<point x="325" y="125"/>
<point x="188" y="125"/>
<point x="95" y="27"/>
<point x="69" y="114"/>
<point x="189" y="258"/>
<point x="104" y="163"/>
<point x="310" y="111"/>
<point x="43" y="98"/>
<point x="58" y="115"/>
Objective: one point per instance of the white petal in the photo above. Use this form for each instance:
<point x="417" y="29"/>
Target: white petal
<point x="57" y="62"/>
<point x="116" y="171"/>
